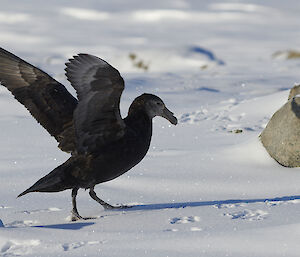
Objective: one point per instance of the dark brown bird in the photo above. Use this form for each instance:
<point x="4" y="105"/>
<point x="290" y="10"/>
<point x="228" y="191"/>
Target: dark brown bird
<point x="103" y="146"/>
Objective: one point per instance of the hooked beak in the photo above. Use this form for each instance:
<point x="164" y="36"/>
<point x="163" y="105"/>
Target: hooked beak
<point x="167" y="114"/>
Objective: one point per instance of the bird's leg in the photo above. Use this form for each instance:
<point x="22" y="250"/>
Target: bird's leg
<point x="96" y="198"/>
<point x="105" y="205"/>
<point x="75" y="214"/>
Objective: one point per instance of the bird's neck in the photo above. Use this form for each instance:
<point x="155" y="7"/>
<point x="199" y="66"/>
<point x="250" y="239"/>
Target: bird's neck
<point x="139" y="121"/>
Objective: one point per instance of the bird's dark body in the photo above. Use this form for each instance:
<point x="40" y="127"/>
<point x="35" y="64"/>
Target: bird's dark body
<point x="122" y="155"/>
<point x="107" y="163"/>
<point x="103" y="146"/>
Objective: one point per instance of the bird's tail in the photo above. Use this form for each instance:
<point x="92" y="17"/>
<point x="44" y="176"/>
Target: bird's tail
<point x="57" y="180"/>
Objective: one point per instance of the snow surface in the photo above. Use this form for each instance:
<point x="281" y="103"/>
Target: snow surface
<point x="201" y="190"/>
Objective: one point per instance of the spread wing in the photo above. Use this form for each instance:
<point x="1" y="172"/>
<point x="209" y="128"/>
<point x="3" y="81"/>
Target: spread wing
<point x="47" y="100"/>
<point x="99" y="87"/>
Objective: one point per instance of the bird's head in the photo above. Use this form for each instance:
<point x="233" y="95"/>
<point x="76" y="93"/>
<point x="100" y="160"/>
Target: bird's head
<point x="153" y="106"/>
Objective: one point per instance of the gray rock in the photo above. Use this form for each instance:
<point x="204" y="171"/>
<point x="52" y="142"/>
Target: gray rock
<point x="281" y="137"/>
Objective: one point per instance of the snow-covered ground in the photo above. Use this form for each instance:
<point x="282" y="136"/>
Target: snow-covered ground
<point x="202" y="190"/>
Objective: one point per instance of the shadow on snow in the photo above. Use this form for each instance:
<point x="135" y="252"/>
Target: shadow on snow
<point x="160" y="206"/>
<point x="70" y="226"/>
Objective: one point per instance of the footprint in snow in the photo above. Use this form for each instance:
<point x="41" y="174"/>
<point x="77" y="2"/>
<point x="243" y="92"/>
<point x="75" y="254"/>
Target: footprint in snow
<point x="193" y="117"/>
<point x="184" y="220"/>
<point x="226" y="116"/>
<point x="18" y="247"/>
<point x="75" y="245"/>
<point x="250" y="215"/>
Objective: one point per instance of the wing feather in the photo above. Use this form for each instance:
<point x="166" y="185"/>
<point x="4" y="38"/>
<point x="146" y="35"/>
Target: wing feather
<point x="99" y="87"/>
<point x="47" y="100"/>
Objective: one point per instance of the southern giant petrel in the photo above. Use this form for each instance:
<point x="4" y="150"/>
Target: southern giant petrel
<point x="103" y="146"/>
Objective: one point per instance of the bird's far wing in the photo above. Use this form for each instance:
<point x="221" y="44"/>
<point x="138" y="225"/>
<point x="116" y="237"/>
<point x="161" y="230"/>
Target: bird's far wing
<point x="99" y="87"/>
<point x="47" y="100"/>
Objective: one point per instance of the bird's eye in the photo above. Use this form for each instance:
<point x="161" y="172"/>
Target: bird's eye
<point x="158" y="103"/>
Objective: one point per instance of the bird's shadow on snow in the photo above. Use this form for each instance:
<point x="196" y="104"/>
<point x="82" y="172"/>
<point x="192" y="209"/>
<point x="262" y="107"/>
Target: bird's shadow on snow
<point x="160" y="206"/>
<point x="67" y="226"/>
